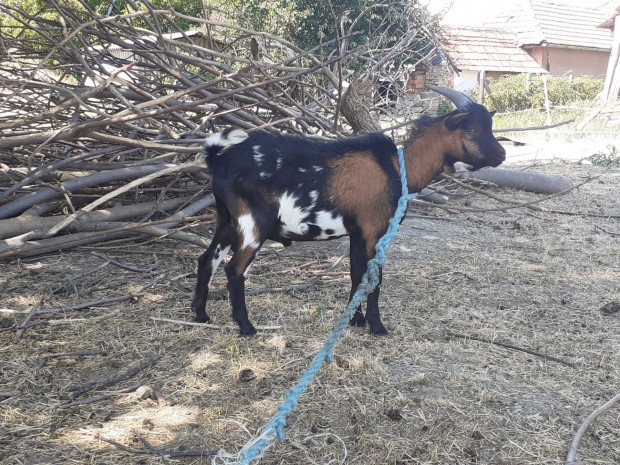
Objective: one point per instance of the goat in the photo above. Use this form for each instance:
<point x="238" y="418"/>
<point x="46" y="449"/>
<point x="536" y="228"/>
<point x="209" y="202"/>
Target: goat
<point x="288" y="188"/>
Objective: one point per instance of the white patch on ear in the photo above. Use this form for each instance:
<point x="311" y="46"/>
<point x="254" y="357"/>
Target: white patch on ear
<point x="234" y="137"/>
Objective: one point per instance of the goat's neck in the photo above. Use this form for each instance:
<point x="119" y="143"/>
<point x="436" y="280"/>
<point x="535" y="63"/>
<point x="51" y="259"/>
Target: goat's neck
<point x="425" y="158"/>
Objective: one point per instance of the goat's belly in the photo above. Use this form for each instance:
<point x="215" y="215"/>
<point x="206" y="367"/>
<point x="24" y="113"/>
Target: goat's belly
<point x="321" y="225"/>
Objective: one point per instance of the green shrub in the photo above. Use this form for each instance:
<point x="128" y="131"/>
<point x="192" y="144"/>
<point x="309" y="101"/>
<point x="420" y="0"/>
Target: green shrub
<point x="510" y="92"/>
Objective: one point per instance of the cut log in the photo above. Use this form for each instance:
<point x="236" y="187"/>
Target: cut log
<point x="516" y="179"/>
<point x="431" y="196"/>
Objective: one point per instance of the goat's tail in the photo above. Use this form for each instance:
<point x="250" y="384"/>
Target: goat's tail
<point x="217" y="142"/>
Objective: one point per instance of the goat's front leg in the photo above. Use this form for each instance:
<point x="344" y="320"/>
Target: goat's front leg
<point x="207" y="266"/>
<point x="235" y="272"/>
<point x="372" y="311"/>
<point x="359" y="263"/>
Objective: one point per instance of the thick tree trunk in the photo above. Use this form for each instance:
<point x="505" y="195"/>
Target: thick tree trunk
<point x="355" y="108"/>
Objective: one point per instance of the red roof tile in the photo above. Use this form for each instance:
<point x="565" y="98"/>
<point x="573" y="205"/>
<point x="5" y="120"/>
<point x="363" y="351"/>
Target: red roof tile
<point x="539" y="21"/>
<point x="487" y="49"/>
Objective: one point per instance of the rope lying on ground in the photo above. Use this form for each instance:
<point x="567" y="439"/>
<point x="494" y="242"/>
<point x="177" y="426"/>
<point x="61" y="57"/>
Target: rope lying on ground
<point x="274" y="429"/>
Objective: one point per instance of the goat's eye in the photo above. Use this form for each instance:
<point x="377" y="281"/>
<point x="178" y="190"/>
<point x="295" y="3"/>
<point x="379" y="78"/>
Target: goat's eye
<point x="471" y="131"/>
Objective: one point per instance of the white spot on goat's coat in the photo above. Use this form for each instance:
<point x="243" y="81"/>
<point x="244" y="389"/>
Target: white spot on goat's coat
<point x="258" y="155"/>
<point x="317" y="168"/>
<point x="291" y="215"/>
<point x="265" y="175"/>
<point x="295" y="218"/>
<point x="220" y="254"/>
<point x="327" y="221"/>
<point x="279" y="163"/>
<point x="247" y="227"/>
<point x="302" y="170"/>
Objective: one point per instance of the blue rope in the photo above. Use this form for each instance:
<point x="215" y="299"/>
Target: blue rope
<point x="370" y="280"/>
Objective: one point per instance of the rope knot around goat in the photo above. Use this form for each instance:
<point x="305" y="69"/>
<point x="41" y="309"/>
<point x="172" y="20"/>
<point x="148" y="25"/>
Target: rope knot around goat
<point x="274" y="429"/>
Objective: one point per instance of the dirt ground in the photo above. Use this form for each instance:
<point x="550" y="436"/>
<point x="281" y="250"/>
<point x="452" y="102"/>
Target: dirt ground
<point x="440" y="389"/>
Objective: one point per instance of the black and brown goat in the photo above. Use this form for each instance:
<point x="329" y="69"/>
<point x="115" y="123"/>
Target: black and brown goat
<point x="288" y="188"/>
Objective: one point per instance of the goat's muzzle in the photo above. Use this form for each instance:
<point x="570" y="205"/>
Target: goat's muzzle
<point x="492" y="160"/>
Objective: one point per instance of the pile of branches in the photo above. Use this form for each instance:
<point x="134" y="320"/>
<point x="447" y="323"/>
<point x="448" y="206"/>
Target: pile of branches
<point x="102" y="118"/>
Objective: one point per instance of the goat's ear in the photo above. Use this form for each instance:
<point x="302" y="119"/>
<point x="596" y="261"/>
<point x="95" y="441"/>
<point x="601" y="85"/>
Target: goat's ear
<point x="455" y="121"/>
<point x="492" y="113"/>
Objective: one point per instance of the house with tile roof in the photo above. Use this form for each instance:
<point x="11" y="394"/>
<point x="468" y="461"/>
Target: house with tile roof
<point x="489" y="52"/>
<point x="562" y="38"/>
<point x="611" y="89"/>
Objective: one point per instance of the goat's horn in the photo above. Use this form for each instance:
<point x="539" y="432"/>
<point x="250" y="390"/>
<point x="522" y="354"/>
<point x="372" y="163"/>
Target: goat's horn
<point x="459" y="99"/>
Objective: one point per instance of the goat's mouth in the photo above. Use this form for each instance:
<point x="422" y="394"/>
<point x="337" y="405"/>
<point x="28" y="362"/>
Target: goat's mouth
<point x="492" y="161"/>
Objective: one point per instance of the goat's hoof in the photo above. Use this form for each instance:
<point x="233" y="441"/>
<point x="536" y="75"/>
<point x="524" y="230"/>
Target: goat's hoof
<point x="248" y="330"/>
<point x="379" y="331"/>
<point x="202" y="318"/>
<point x="358" y="320"/>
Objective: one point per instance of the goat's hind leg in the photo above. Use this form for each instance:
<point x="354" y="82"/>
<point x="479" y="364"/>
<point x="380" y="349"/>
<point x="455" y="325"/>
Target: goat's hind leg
<point x="235" y="272"/>
<point x="207" y="266"/>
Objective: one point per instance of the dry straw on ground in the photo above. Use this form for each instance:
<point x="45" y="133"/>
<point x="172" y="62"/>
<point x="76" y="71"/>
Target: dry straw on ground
<point x="533" y="280"/>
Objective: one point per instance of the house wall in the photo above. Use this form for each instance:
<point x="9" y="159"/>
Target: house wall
<point x="466" y="81"/>
<point x="566" y="60"/>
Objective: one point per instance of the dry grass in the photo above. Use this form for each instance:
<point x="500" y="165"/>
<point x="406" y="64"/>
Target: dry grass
<point x="419" y="396"/>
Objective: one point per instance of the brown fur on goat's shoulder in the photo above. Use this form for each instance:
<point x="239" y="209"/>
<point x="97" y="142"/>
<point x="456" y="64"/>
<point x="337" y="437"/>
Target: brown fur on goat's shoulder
<point x="359" y="186"/>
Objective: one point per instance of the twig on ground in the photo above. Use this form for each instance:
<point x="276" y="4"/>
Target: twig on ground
<point x="572" y="451"/>
<point x="149" y="450"/>
<point x="79" y="390"/>
<point x="94" y="303"/>
<point x="8" y="394"/>
<point x="606" y="231"/>
<point x="92" y="400"/>
<point x="24" y="325"/>
<point x="512" y="347"/>
<point x="212" y="326"/>
<point x="68" y="321"/>
<point x="122" y="265"/>
<point x="79" y="353"/>
<point x="514" y="205"/>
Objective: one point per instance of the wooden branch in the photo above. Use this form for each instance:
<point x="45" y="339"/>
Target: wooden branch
<point x="43" y="358"/>
<point x="149" y="450"/>
<point x="512" y="347"/>
<point x="516" y="179"/>
<point x="100" y="397"/>
<point x="514" y="205"/>
<point x="25" y="223"/>
<point x="212" y="326"/>
<point x="572" y="451"/>
<point x="22" y="203"/>
<point x="31" y="314"/>
<point x="79" y="390"/>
